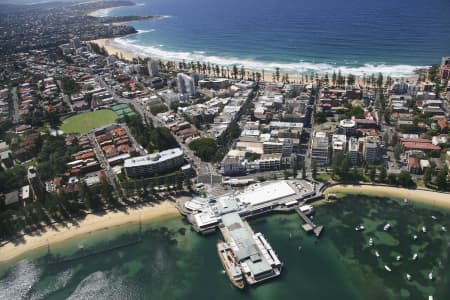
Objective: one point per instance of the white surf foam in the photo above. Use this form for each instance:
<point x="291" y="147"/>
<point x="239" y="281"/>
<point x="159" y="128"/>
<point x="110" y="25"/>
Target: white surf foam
<point x="296" y="68"/>
<point x="139" y="31"/>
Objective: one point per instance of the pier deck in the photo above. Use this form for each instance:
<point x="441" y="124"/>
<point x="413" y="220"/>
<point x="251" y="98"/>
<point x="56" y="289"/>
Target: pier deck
<point x="309" y="225"/>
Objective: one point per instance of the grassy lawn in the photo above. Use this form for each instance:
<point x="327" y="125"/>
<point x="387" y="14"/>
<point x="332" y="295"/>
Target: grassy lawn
<point x="87" y="121"/>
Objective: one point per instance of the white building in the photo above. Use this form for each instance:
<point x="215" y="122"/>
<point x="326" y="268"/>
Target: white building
<point x="153" y="68"/>
<point x="339" y="142"/>
<point x="154" y="163"/>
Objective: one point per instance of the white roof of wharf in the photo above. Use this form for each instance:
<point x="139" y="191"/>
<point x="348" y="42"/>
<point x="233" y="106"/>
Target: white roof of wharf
<point x="205" y="218"/>
<point x="258" y="194"/>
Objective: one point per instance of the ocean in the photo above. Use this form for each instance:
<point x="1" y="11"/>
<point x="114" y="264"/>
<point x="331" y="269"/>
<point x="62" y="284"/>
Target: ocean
<point x="355" y="36"/>
<point x="173" y="262"/>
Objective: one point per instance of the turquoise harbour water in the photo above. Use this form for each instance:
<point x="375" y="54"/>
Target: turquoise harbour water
<point x="357" y="36"/>
<point x="173" y="262"/>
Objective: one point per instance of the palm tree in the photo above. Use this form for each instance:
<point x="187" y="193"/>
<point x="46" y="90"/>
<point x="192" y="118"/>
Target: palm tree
<point x="235" y="71"/>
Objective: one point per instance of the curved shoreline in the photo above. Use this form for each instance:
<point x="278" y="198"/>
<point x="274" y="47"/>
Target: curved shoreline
<point x="422" y="196"/>
<point x="92" y="223"/>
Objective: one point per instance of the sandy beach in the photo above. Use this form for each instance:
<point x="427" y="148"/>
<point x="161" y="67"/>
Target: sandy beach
<point x="428" y="197"/>
<point x="113" y="50"/>
<point x="99" y="12"/>
<point x="90" y="224"/>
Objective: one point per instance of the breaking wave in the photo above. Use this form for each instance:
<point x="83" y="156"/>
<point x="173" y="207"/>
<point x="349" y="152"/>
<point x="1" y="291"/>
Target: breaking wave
<point x="295" y="68"/>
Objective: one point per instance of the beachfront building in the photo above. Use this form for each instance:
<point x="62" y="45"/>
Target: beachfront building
<point x="186" y="84"/>
<point x="353" y="150"/>
<point x="372" y="150"/>
<point x="153" y="68"/>
<point x="445" y="68"/>
<point x="154" y="163"/>
<point x="320" y="149"/>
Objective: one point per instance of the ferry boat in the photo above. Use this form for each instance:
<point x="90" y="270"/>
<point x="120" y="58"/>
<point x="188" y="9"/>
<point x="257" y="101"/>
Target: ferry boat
<point x="387" y="227"/>
<point x="387" y="268"/>
<point x="408" y="276"/>
<point x="230" y="264"/>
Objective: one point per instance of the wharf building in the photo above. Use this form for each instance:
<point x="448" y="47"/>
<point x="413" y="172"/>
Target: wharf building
<point x="255" y="256"/>
<point x="255" y="259"/>
<point x="156" y="163"/>
<point x="205" y="214"/>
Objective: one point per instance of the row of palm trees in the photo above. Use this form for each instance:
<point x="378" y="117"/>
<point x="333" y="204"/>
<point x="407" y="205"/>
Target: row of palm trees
<point x="240" y="73"/>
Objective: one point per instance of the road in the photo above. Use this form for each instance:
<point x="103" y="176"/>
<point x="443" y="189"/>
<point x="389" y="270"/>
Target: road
<point x="196" y="163"/>
<point x="15" y="113"/>
<point x="104" y="163"/>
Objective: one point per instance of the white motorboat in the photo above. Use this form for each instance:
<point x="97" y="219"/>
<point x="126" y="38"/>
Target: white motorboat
<point x="415" y="237"/>
<point x="430" y="276"/>
<point x="377" y="254"/>
<point x="424" y="229"/>
<point x="408" y="276"/>
<point x="414" y="256"/>
<point x="387" y="227"/>
<point x="398" y="258"/>
<point x="387" y="268"/>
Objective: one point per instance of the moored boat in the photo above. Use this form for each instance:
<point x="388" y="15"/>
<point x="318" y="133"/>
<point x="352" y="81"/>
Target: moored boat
<point x="230" y="264"/>
<point x="387" y="268"/>
<point x="408" y="276"/>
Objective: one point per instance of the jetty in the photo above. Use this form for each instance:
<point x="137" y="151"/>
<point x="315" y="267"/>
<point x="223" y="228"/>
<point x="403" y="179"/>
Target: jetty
<point x="309" y="226"/>
<point x="243" y="252"/>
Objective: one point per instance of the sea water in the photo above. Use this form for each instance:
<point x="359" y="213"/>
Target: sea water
<point x="174" y="262"/>
<point x="354" y="36"/>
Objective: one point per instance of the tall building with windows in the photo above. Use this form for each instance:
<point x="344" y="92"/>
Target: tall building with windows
<point x="186" y="84"/>
<point x="153" y="68"/>
<point x="372" y="150"/>
<point x="320" y="148"/>
<point x="75" y="43"/>
<point x="353" y="150"/>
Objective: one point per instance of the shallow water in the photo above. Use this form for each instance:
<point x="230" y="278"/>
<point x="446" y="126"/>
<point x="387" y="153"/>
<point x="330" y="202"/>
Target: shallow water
<point x="173" y="262"/>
